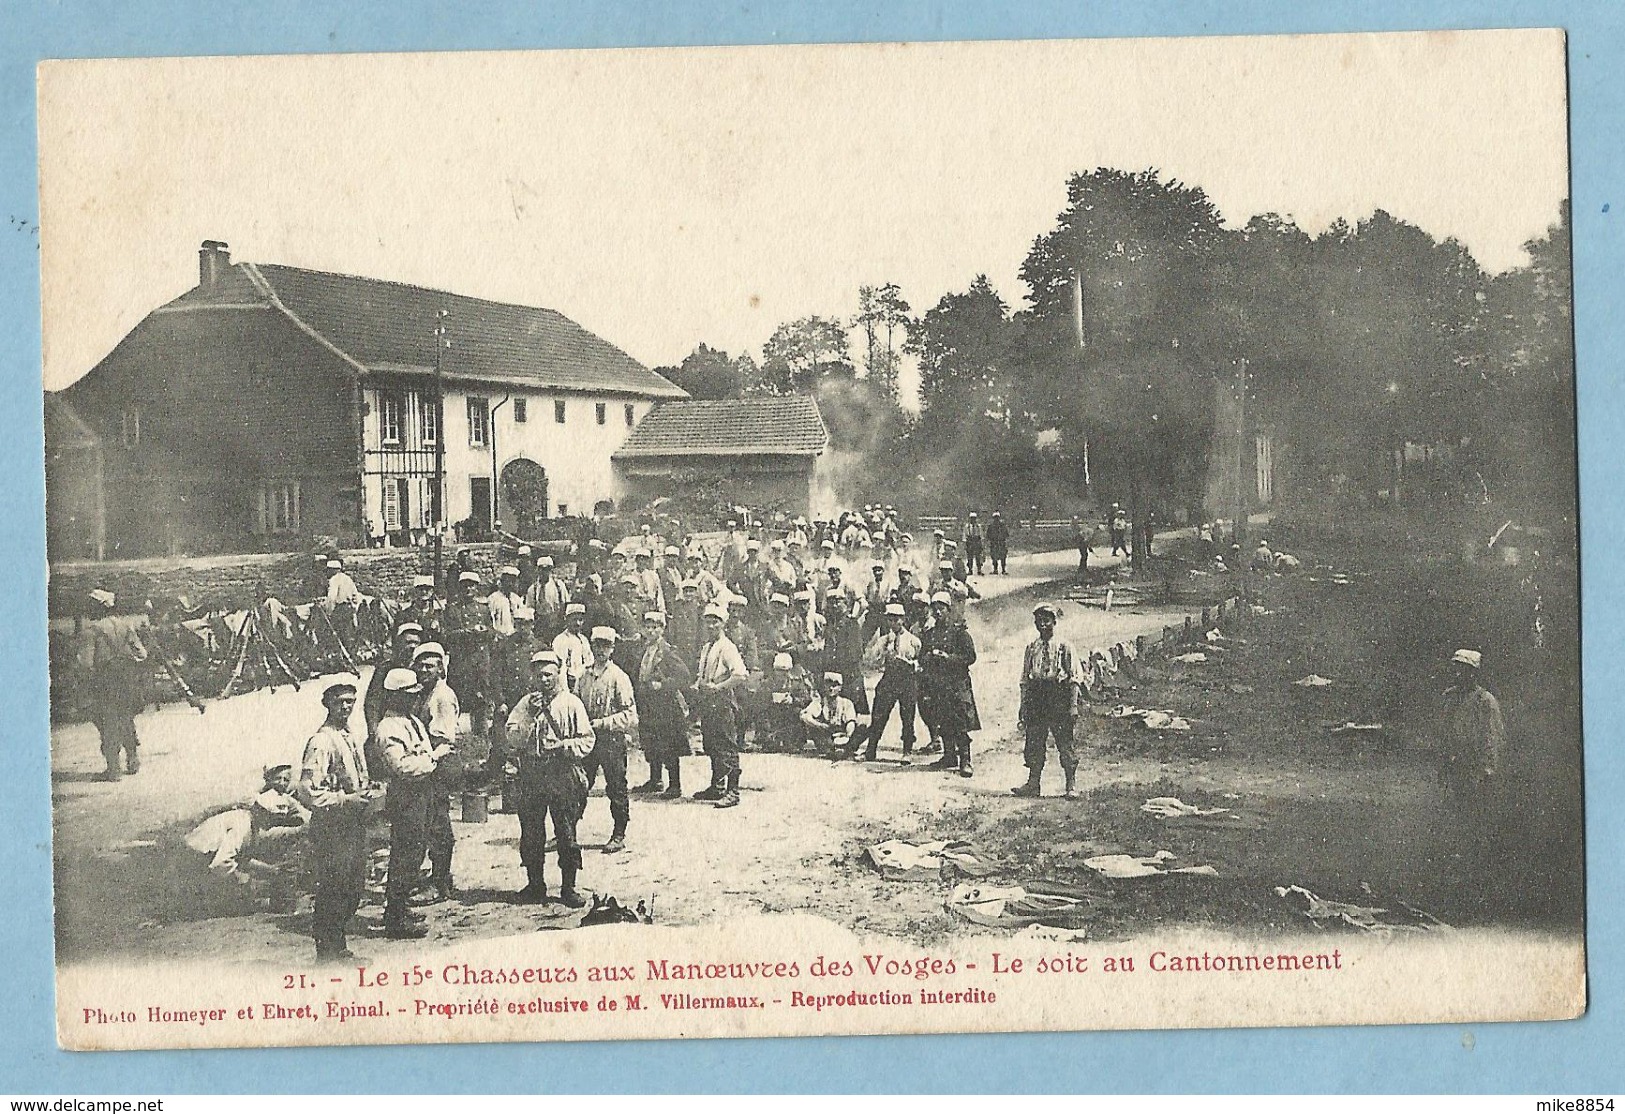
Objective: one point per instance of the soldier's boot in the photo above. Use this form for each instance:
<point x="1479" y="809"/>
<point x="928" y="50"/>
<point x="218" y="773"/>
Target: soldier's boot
<point x="676" y="789"/>
<point x="567" y="892"/>
<point x="617" y="841"/>
<point x="1031" y="788"/>
<point x="132" y="761"/>
<point x="399" y="924"/>
<point x="1071" y="783"/>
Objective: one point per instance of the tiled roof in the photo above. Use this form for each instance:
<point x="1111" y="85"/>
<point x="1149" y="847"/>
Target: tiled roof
<point x="389" y="326"/>
<point x="780" y="425"/>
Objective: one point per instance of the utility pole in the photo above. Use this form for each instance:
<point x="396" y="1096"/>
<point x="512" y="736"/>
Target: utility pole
<point x="441" y="343"/>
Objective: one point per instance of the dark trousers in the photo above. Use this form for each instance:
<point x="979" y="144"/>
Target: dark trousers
<point x="955" y="744"/>
<point x="900" y="691"/>
<point x="1048" y="714"/>
<point x="719" y="726"/>
<point x="409" y="806"/>
<point x="537" y="802"/>
<point x="665" y="741"/>
<point x="973" y="559"/>
<point x="116" y="725"/>
<point x="1000" y="557"/>
<point x="1119" y="542"/>
<point x="609" y="755"/>
<point x="339" y="853"/>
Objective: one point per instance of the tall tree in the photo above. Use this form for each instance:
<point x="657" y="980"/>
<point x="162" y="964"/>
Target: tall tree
<point x="1137" y="380"/>
<point x="711" y="373"/>
<point x="802" y="352"/>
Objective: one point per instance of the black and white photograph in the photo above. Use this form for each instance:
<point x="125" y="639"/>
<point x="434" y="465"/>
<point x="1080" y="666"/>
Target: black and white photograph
<point x="754" y="541"/>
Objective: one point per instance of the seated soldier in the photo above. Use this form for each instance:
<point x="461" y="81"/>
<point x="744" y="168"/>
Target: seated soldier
<point x="829" y="720"/>
<point x="790" y="687"/>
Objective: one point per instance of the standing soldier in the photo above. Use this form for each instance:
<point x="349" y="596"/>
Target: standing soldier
<point x="683" y="627"/>
<point x="551" y="735"/>
<point x="671" y="575"/>
<point x="647" y="581"/>
<point x="506" y="604"/>
<point x="547" y="598"/>
<point x="469" y="643"/>
<point x="438" y="710"/>
<point x="410" y="759"/>
<point x="1475" y="734"/>
<point x="425" y="608"/>
<point x="663" y="678"/>
<point x="971" y="541"/>
<point x="998" y="544"/>
<point x="875" y="598"/>
<point x="115" y="658"/>
<point x="896" y="653"/>
<point x="572" y="646"/>
<point x="1049" y="703"/>
<point x="612" y="712"/>
<point x="722" y="674"/>
<point x="1117" y="524"/>
<point x="843" y="652"/>
<point x="947" y="700"/>
<point x="335" y="784"/>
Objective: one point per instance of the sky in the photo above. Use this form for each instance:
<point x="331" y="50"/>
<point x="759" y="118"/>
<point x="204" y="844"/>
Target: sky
<point x="665" y="197"/>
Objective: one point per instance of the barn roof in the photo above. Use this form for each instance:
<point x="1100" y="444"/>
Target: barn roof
<point x="380" y="326"/>
<point x="788" y="425"/>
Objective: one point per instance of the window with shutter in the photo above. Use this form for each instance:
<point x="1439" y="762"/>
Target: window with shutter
<point x="392" y="505"/>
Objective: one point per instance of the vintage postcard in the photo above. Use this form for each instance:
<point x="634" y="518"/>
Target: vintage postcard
<point x="812" y="540"/>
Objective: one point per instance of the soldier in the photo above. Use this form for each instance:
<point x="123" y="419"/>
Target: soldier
<point x="1050" y="675"/>
<point x="829" y="719"/>
<point x="409" y="759"/>
<point x="425" y="608"/>
<point x="683" y="625"/>
<point x="971" y="542"/>
<point x="875" y="598"/>
<point x="721" y="675"/>
<point x="1117" y="525"/>
<point x="550" y="733"/>
<point x="547" y="598"/>
<point x="998" y="544"/>
<point x="612" y="712"/>
<point x="790" y="687"/>
<point x="646" y="581"/>
<point x="341" y="589"/>
<point x="947" y="700"/>
<point x="671" y="576"/>
<point x="843" y="651"/>
<point x="896" y="653"/>
<point x="507" y="607"/>
<point x="408" y="637"/>
<point x="115" y="657"/>
<point x="337" y="787"/>
<point x="572" y="646"/>
<point x="1475" y="735"/>
<point x="664" y="676"/>
<point x="438" y="710"/>
<point x="469" y="642"/>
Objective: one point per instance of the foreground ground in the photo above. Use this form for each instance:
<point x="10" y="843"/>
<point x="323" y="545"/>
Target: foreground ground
<point x="1364" y="822"/>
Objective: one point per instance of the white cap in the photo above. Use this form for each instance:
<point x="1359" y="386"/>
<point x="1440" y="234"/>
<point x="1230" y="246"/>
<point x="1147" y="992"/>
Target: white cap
<point x="834" y="676"/>
<point x="655" y="617"/>
<point x="776" y="543"/>
<point x="544" y="657"/>
<point x="423" y="581"/>
<point x="672" y="551"/>
<point x="524" y="551"/>
<point x="508" y="570"/>
<point x="575" y="609"/>
<point x="716" y="611"/>
<point x="335" y="564"/>
<point x="1468" y="657"/>
<point x="829" y="545"/>
<point x="469" y="577"/>
<point x="544" y="562"/>
<point x="429" y="649"/>
<point x="942" y="597"/>
<point x="400" y="680"/>
<point x="408" y="627"/>
<point x="779" y="597"/>
<point x="604" y="634"/>
<point x="783" y="661"/>
<point x="896" y="610"/>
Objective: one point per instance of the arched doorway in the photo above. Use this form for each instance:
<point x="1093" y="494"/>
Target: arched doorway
<point x="523" y="499"/>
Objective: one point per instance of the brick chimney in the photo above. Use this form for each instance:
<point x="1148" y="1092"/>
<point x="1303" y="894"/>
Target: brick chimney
<point x="212" y="261"/>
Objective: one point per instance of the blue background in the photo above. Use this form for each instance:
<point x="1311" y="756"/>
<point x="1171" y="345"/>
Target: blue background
<point x="1574" y="1057"/>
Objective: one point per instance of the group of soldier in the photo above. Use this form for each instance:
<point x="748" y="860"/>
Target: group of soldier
<point x="761" y="640"/>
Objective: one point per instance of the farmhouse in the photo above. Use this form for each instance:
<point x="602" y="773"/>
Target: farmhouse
<point x="769" y="452"/>
<point x="271" y="404"/>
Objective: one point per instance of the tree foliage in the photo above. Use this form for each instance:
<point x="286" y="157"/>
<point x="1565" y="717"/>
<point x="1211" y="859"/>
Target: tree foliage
<point x="802" y="352"/>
